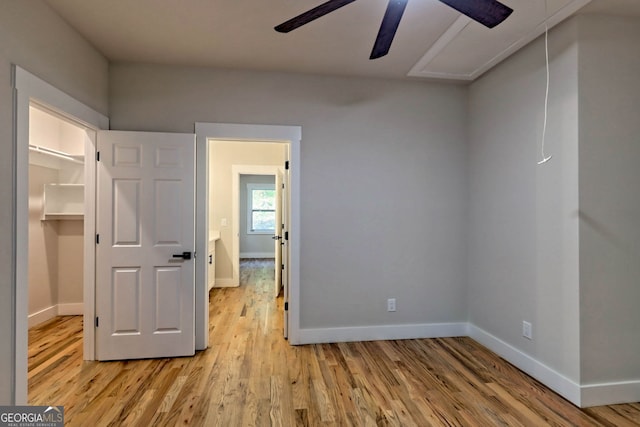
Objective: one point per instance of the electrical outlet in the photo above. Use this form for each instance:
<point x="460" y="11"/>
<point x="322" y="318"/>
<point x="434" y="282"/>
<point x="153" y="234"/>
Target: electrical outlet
<point x="391" y="304"/>
<point x="527" y="330"/>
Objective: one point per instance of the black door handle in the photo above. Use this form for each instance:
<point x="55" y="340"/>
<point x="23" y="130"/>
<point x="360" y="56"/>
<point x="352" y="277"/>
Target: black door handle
<point x="183" y="255"/>
<point x="276" y="237"/>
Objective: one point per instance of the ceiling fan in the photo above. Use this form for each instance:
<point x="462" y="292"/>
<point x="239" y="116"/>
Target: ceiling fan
<point x="487" y="12"/>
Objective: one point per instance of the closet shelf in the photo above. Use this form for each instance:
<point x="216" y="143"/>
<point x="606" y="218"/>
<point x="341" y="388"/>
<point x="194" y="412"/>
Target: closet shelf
<point x="63" y="201"/>
<point x="50" y="158"/>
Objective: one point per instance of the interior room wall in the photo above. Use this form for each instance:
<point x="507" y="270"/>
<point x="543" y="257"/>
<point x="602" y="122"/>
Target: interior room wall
<point x="223" y="155"/>
<point x="35" y="38"/>
<point x="523" y="241"/>
<point x="383" y="179"/>
<point x="609" y="199"/>
<point x="253" y="245"/>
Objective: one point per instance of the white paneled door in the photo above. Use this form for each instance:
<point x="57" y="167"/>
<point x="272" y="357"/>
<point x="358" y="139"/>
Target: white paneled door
<point x="145" y="284"/>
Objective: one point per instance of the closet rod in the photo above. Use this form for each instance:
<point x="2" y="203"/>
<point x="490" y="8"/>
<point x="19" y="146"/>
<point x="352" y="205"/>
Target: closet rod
<point x="54" y="153"/>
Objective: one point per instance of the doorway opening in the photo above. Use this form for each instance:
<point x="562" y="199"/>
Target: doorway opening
<point x="34" y="93"/>
<point x="247" y="221"/>
<point x="286" y="139"/>
<point x="56" y="241"/>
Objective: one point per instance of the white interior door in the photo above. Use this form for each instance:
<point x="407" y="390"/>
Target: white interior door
<point x="145" y="272"/>
<point x="278" y="235"/>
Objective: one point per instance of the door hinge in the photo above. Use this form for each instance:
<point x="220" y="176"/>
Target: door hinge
<point x="286" y="235"/>
<point x="286" y="165"/>
<point x="97" y="239"/>
<point x="97" y="156"/>
<point x="286" y="306"/>
<point x="97" y="321"/>
<point x="282" y="267"/>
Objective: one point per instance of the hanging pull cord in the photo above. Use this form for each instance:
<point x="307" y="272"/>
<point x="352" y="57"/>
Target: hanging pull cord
<point x="545" y="158"/>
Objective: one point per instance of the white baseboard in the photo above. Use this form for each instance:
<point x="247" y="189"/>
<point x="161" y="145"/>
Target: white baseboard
<point x="257" y="255"/>
<point x="610" y="393"/>
<point x="552" y="379"/>
<point x="226" y="283"/>
<point x="42" y="316"/>
<point x="385" y="332"/>
<point x="71" y="309"/>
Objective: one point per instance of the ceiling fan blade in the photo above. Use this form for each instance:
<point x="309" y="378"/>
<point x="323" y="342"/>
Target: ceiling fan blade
<point x="311" y="15"/>
<point x="388" y="28"/>
<point x="487" y="12"/>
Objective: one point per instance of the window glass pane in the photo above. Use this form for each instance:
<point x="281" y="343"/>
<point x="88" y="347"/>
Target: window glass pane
<point x="264" y="220"/>
<point x="263" y="199"/>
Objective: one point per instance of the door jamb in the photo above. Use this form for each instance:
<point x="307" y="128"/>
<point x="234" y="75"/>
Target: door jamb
<point x="27" y="89"/>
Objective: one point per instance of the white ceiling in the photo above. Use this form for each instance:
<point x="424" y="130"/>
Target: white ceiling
<point x="433" y="40"/>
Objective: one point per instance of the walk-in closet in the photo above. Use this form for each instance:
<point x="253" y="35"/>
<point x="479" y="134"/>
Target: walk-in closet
<point x="56" y="210"/>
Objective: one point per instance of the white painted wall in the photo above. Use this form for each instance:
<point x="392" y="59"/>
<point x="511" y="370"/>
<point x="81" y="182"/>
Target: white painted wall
<point x="523" y="242"/>
<point x="34" y="37"/>
<point x="383" y="179"/>
<point x="610" y="199"/>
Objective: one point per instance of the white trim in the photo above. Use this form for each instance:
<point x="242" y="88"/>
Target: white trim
<point x="382" y="332"/>
<point x="562" y="385"/>
<point x="225" y="282"/>
<point x="610" y="393"/>
<point x="257" y="255"/>
<point x="202" y="241"/>
<point x="42" y="316"/>
<point x="71" y="309"/>
<point x="267" y="133"/>
<point x="29" y="88"/>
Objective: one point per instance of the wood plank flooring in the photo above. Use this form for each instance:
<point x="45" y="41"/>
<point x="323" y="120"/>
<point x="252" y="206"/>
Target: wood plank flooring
<point x="250" y="376"/>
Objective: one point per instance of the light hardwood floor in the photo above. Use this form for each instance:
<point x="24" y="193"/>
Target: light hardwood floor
<point x="251" y="376"/>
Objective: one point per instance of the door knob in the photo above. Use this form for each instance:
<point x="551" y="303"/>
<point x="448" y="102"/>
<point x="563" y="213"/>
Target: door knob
<point x="183" y="255"/>
<point x="276" y="237"/>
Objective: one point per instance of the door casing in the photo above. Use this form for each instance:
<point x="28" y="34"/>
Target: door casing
<point x="291" y="135"/>
<point x="30" y="89"/>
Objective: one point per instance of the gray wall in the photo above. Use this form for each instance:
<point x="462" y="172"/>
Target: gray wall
<point x="609" y="198"/>
<point x="253" y="243"/>
<point x="523" y="241"/>
<point x="383" y="176"/>
<point x="32" y="36"/>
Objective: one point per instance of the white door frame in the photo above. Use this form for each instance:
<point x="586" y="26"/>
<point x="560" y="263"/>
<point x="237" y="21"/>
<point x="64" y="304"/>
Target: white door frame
<point x="255" y="133"/>
<point x="30" y="89"/>
<point x="236" y="171"/>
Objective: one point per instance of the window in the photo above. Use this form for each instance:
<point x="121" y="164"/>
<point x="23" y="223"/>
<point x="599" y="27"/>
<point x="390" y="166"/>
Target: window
<point x="261" y="203"/>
